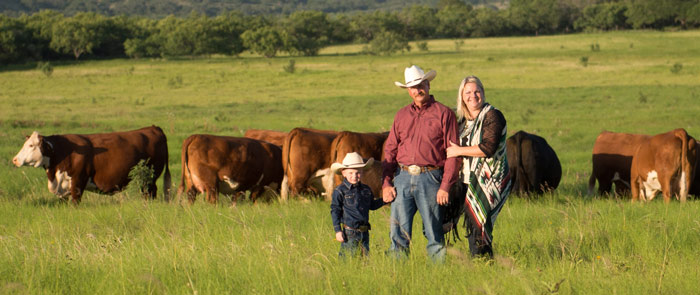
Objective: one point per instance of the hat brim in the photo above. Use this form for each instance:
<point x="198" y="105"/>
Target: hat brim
<point x="337" y="168"/>
<point x="428" y="76"/>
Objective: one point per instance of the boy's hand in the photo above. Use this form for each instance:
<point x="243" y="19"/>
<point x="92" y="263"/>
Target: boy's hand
<point x="339" y="236"/>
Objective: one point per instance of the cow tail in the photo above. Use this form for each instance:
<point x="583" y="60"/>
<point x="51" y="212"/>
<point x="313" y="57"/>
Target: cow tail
<point x="185" y="167"/>
<point x="167" y="182"/>
<point x="286" y="147"/>
<point x="591" y="183"/>
<point x="685" y="182"/>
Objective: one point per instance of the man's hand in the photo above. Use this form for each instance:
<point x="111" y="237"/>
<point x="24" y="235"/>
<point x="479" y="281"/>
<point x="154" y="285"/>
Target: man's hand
<point x="389" y="194"/>
<point x="339" y="236"/>
<point x="443" y="197"/>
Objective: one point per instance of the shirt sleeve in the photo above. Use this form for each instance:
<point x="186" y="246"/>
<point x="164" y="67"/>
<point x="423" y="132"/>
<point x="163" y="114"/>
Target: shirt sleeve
<point x="449" y="175"/>
<point x="494" y="122"/>
<point x="376" y="203"/>
<point x="337" y="209"/>
<point x="390" y="151"/>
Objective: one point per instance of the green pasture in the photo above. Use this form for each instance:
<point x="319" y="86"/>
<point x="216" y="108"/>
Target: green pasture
<point x="559" y="87"/>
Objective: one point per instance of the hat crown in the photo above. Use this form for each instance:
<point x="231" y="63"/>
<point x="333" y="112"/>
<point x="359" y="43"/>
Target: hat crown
<point x="413" y="73"/>
<point x="353" y="159"/>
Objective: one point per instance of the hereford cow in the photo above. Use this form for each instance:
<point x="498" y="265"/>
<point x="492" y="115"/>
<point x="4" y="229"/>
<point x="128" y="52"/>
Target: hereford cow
<point x="612" y="160"/>
<point x="230" y="165"/>
<point x="271" y="136"/>
<point x="306" y="160"/>
<point x="96" y="162"/>
<point x="368" y="145"/>
<point x="534" y="166"/>
<point x="665" y="163"/>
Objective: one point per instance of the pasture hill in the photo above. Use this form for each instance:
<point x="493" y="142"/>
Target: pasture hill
<point x="566" y="89"/>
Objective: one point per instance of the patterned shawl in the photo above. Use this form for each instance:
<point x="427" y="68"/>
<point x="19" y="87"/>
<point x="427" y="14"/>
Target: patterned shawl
<point x="487" y="179"/>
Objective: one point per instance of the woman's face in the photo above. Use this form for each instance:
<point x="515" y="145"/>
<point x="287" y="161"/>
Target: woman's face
<point x="472" y="97"/>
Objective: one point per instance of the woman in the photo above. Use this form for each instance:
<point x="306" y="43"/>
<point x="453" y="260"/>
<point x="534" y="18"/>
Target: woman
<point x="482" y="135"/>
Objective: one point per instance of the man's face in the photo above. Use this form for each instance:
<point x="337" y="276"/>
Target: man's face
<point x="352" y="175"/>
<point x="420" y="92"/>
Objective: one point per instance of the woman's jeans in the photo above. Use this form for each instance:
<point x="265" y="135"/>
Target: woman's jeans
<point x="417" y="192"/>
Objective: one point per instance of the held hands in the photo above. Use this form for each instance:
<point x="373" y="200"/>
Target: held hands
<point x="339" y="237"/>
<point x="443" y="197"/>
<point x="388" y="194"/>
<point x="453" y="150"/>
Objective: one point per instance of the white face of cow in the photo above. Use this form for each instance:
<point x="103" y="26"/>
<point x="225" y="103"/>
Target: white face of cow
<point x="30" y="154"/>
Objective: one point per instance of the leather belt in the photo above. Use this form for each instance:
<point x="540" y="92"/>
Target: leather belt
<point x="415" y="169"/>
<point x="362" y="228"/>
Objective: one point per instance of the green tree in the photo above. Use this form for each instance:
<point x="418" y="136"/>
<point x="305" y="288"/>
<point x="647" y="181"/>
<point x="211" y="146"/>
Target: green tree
<point x="453" y="20"/>
<point x="420" y="21"/>
<point x="14" y="38"/>
<point x="266" y="41"/>
<point x="226" y="31"/>
<point x="364" y="26"/>
<point x="604" y="16"/>
<point x="387" y="43"/>
<point x="535" y="16"/>
<point x="306" y="32"/>
<point x="76" y="35"/>
<point x="41" y="26"/>
<point x="487" y="22"/>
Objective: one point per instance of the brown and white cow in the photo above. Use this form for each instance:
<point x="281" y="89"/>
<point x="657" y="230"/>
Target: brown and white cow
<point x="271" y="136"/>
<point x="96" y="162"/>
<point x="612" y="160"/>
<point x="212" y="164"/>
<point x="665" y="163"/>
<point x="368" y="145"/>
<point x="306" y="161"/>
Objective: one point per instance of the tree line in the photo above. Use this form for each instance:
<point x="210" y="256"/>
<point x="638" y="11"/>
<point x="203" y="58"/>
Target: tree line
<point x="50" y="35"/>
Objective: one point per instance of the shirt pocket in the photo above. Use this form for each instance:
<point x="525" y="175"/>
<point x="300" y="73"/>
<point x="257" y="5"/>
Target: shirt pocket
<point x="350" y="200"/>
<point x="433" y="128"/>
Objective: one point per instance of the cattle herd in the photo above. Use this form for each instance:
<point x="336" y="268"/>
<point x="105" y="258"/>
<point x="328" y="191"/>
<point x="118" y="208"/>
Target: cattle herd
<point x="267" y="163"/>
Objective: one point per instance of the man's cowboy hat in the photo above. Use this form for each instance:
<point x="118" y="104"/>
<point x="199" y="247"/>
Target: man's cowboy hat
<point x="351" y="160"/>
<point x="414" y="76"/>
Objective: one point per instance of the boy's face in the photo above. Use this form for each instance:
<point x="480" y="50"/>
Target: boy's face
<point x="352" y="175"/>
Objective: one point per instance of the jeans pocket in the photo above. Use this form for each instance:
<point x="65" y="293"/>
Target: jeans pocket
<point x="435" y="176"/>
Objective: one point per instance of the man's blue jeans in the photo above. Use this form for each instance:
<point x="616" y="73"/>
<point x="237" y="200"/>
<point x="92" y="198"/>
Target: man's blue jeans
<point x="417" y="192"/>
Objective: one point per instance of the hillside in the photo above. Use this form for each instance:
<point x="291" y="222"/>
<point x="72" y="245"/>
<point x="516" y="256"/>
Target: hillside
<point x="159" y="8"/>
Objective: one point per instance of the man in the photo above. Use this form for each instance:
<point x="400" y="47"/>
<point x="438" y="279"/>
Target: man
<point x="416" y="161"/>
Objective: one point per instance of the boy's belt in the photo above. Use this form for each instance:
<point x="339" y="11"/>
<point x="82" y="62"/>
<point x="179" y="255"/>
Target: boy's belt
<point x="361" y="228"/>
<point x="415" y="169"/>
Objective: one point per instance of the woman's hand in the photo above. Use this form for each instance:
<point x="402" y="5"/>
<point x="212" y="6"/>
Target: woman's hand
<point x="453" y="150"/>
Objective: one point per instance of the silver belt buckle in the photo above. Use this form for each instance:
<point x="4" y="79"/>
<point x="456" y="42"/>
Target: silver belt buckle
<point x="414" y="170"/>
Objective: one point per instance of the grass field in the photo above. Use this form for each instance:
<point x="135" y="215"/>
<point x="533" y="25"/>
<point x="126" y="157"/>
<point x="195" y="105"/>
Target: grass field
<point x="641" y="82"/>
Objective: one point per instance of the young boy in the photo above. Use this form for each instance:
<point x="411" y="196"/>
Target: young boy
<point x="350" y="206"/>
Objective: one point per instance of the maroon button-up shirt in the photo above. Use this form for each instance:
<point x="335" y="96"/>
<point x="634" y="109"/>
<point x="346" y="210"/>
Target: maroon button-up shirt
<point x="420" y="136"/>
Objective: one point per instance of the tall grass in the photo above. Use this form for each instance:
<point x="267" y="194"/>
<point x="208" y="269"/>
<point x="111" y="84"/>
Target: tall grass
<point x="563" y="242"/>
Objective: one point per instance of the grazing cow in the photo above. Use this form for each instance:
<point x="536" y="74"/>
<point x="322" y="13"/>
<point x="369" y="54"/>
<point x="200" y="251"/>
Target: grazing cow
<point x="665" y="163"/>
<point x="96" y="162"/>
<point x="306" y="160"/>
<point x="612" y="160"/>
<point x="368" y="145"/>
<point x="534" y="166"/>
<point x="271" y="136"/>
<point x="230" y="165"/>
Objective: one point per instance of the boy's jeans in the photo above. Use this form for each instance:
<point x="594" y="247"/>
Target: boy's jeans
<point x="355" y="242"/>
<point x="417" y="192"/>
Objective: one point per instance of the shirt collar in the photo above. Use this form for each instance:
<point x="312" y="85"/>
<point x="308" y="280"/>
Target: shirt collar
<point x="428" y="102"/>
<point x="348" y="184"/>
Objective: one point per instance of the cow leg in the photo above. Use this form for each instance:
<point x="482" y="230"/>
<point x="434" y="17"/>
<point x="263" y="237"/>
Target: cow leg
<point x="604" y="187"/>
<point x="636" y="187"/>
<point x="191" y="195"/>
<point x="212" y="195"/>
<point x="76" y="189"/>
<point x="284" y="189"/>
<point x="152" y="190"/>
<point x="667" y="190"/>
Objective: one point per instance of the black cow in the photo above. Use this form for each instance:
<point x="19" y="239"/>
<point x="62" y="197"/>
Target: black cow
<point x="534" y="166"/>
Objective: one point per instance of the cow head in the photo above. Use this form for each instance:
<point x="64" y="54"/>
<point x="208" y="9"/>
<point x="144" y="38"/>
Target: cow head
<point x="33" y="153"/>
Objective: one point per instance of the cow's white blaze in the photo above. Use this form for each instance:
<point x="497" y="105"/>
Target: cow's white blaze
<point x="60" y="186"/>
<point x="228" y="186"/>
<point x="651" y="185"/>
<point x="30" y="154"/>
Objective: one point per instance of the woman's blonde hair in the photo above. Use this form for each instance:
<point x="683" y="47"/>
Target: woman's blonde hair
<point x="462" y="111"/>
